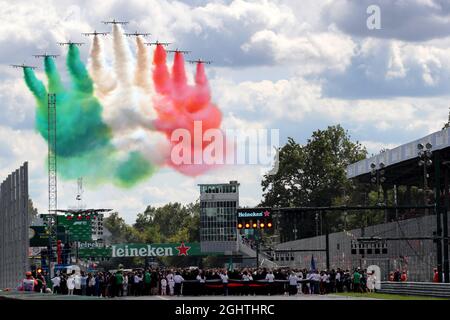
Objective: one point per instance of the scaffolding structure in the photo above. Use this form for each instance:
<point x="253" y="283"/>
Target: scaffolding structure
<point x="52" y="179"/>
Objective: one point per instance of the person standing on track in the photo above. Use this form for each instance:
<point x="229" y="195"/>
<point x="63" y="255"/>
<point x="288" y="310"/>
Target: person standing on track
<point x="178" y="279"/>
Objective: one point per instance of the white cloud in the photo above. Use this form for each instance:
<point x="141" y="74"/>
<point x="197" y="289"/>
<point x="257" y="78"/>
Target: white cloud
<point x="295" y="49"/>
<point x="313" y="52"/>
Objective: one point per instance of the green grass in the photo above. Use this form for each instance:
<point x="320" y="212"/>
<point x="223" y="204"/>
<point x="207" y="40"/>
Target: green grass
<point x="387" y="296"/>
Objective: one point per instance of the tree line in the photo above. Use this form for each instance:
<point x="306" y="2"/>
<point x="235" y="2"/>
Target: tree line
<point x="309" y="175"/>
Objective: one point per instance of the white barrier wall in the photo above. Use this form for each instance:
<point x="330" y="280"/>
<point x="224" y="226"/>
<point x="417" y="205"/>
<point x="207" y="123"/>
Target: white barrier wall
<point x="14" y="227"/>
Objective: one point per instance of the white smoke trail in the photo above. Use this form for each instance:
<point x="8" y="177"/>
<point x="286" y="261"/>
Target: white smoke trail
<point x="128" y="109"/>
<point x="122" y="56"/>
<point x="104" y="82"/>
<point x="142" y="76"/>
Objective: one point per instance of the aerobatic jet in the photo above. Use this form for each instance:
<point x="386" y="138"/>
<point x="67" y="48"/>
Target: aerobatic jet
<point x="23" y="66"/>
<point x="115" y="22"/>
<point x="179" y="51"/>
<point x="200" y="61"/>
<point x="45" y="55"/>
<point x="95" y="33"/>
<point x="135" y="34"/>
<point x="157" y="42"/>
<point x="70" y="42"/>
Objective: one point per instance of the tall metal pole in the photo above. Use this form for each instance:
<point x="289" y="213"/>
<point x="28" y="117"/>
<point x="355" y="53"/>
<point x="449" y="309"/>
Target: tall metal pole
<point x="52" y="179"/>
<point x="438" y="209"/>
<point x="425" y="186"/>
<point x="257" y="247"/>
<point x="327" y="241"/>
<point x="445" y="224"/>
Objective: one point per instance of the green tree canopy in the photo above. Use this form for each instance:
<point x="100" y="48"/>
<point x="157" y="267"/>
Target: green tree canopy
<point x="313" y="174"/>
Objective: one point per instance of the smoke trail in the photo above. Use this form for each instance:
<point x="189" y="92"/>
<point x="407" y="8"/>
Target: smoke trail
<point x="35" y="85"/>
<point x="161" y="77"/>
<point x="39" y="91"/>
<point x="142" y="66"/>
<point x="85" y="143"/>
<point x="180" y="106"/>
<point x="201" y="94"/>
<point x="54" y="80"/>
<point x="128" y="108"/>
<point x="104" y="82"/>
<point x="178" y="71"/>
<point x="135" y="169"/>
<point x="122" y="56"/>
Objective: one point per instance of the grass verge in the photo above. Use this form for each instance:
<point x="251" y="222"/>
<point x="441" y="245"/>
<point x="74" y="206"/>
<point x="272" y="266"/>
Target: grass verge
<point x="387" y="296"/>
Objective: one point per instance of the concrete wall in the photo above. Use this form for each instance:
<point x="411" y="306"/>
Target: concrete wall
<point x="418" y="257"/>
<point x="14" y="227"/>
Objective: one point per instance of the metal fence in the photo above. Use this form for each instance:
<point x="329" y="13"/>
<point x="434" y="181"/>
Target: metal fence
<point x="418" y="257"/>
<point x="14" y="227"/>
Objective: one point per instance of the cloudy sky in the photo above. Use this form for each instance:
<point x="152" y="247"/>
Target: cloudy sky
<point x="291" y="65"/>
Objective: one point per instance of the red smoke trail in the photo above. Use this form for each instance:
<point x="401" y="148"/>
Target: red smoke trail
<point x="161" y="76"/>
<point x="179" y="104"/>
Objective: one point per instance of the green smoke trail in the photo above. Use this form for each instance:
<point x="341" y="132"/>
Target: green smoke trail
<point x="82" y="82"/>
<point x="54" y="80"/>
<point x="135" y="169"/>
<point x="37" y="87"/>
<point x="84" y="145"/>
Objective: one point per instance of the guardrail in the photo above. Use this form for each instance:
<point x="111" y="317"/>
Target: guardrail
<point x="430" y="289"/>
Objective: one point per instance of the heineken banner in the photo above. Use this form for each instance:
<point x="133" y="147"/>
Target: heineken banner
<point x="255" y="213"/>
<point x="142" y="250"/>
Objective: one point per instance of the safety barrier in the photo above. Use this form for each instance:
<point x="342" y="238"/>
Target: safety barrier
<point x="430" y="289"/>
<point x="215" y="286"/>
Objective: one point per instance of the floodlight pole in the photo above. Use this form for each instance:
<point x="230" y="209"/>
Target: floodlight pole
<point x="438" y="209"/>
<point x="327" y="240"/>
<point x="257" y="236"/>
<point x="445" y="225"/>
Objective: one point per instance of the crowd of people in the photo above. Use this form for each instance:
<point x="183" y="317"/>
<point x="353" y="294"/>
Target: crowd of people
<point x="398" y="276"/>
<point x="193" y="281"/>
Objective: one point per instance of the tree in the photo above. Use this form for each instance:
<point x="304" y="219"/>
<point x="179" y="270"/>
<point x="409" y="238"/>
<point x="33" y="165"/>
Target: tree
<point x="313" y="174"/>
<point x="171" y="223"/>
<point x="120" y="231"/>
<point x="32" y="211"/>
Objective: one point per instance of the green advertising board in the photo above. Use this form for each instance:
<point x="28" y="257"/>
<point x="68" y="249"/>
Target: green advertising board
<point x="78" y="229"/>
<point x="94" y="253"/>
<point x="39" y="235"/>
<point x="143" y="250"/>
